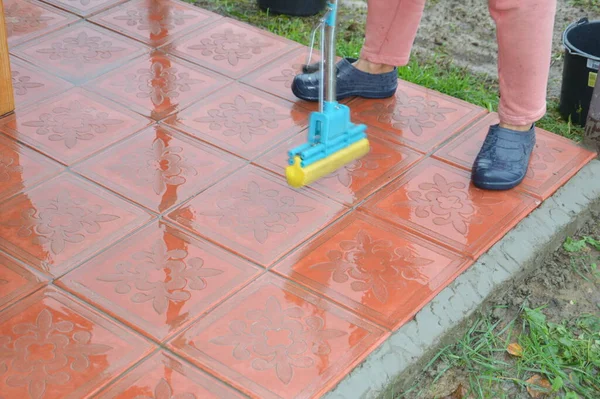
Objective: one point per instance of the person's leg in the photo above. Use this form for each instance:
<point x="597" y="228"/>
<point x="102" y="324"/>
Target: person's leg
<point x="524" y="31"/>
<point x="390" y="33"/>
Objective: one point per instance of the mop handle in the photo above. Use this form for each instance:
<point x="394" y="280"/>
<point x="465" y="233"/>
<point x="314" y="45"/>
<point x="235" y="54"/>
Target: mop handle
<point x="328" y="54"/>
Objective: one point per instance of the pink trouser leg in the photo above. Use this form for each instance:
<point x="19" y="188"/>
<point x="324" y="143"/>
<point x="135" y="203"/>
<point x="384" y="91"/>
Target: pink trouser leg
<point x="391" y="30"/>
<point x="524" y="31"/>
<point x="524" y="54"/>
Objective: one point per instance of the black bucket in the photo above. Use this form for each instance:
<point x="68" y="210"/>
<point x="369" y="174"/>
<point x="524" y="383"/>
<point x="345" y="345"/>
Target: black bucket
<point x="582" y="61"/>
<point x="299" y="8"/>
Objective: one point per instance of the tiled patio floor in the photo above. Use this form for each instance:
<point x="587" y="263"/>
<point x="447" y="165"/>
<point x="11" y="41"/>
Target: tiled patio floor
<point x="150" y="247"/>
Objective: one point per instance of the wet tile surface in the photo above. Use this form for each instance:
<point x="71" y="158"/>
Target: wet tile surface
<point x="418" y="117"/>
<point x="72" y="125"/>
<point x="56" y="225"/>
<point x="165" y="376"/>
<point x="54" y="347"/>
<point x="154" y="22"/>
<point x="276" y="78"/>
<point x="84" y="8"/>
<point x="21" y="168"/>
<point x="173" y="224"/>
<point x="383" y="273"/>
<point x="230" y="47"/>
<point x="438" y="201"/>
<point x="26" y="20"/>
<point x="80" y="52"/>
<point x="554" y="161"/>
<point x="256" y="215"/>
<point x="241" y="120"/>
<point x="31" y="85"/>
<point x="357" y="180"/>
<point x="159" y="168"/>
<point x="16" y="281"/>
<point x="274" y="340"/>
<point x="159" y="279"/>
<point x="157" y="85"/>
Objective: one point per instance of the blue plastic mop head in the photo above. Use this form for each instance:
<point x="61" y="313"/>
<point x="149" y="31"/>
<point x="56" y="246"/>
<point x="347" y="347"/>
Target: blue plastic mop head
<point x="333" y="140"/>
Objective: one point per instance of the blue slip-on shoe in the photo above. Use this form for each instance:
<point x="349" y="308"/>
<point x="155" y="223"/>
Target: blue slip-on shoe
<point x="504" y="158"/>
<point x="351" y="82"/>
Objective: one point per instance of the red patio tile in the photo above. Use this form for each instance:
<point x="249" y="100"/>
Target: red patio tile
<point x="257" y="215"/>
<point x="32" y="85"/>
<point x="16" y="281"/>
<point x="275" y="340"/>
<point x="154" y="22"/>
<point x="21" y="168"/>
<point x="439" y="202"/>
<point x="55" y="347"/>
<point x="80" y="52"/>
<point x="164" y="376"/>
<point x="357" y="180"/>
<point x="230" y="47"/>
<point x="159" y="168"/>
<point x="159" y="280"/>
<point x="84" y="8"/>
<point x="26" y="20"/>
<point x="277" y="77"/>
<point x="380" y="272"/>
<point x="60" y="223"/>
<point x="72" y="125"/>
<point x="241" y="120"/>
<point x="418" y="117"/>
<point x="157" y="85"/>
<point x="554" y="161"/>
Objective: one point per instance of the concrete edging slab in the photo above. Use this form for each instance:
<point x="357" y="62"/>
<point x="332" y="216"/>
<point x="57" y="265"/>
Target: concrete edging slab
<point x="407" y="350"/>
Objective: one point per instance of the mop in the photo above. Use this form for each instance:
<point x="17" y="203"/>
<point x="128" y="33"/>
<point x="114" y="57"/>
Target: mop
<point x="333" y="140"/>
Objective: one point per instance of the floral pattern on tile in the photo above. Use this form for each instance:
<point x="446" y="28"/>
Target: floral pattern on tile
<point x="52" y="346"/>
<point x="80" y="52"/>
<point x="72" y="125"/>
<point x="154" y="22"/>
<point x="31" y="85"/>
<point x="417" y="117"/>
<point x="157" y="85"/>
<point x="241" y="120"/>
<point x="159" y="168"/>
<point x="55" y="225"/>
<point x="230" y="47"/>
<point x="439" y="202"/>
<point x="26" y="20"/>
<point x="164" y="376"/>
<point x="378" y="271"/>
<point x="159" y="280"/>
<point x="554" y="159"/>
<point x="275" y="340"/>
<point x="256" y="214"/>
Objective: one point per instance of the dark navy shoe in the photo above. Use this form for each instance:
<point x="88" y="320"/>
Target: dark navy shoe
<point x="503" y="160"/>
<point x="350" y="82"/>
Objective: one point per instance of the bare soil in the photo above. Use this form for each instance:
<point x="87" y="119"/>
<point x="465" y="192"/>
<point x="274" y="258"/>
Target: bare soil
<point x="464" y="30"/>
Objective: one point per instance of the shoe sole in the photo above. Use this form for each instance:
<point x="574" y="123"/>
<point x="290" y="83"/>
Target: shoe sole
<point x="367" y="95"/>
<point x="497" y="186"/>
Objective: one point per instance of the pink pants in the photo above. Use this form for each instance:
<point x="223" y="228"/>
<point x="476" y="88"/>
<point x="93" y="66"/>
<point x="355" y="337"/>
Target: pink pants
<point x="524" y="32"/>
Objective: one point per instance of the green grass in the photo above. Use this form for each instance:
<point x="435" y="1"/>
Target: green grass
<point x="591" y="5"/>
<point x="583" y="261"/>
<point x="435" y="72"/>
<point x="565" y="354"/>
